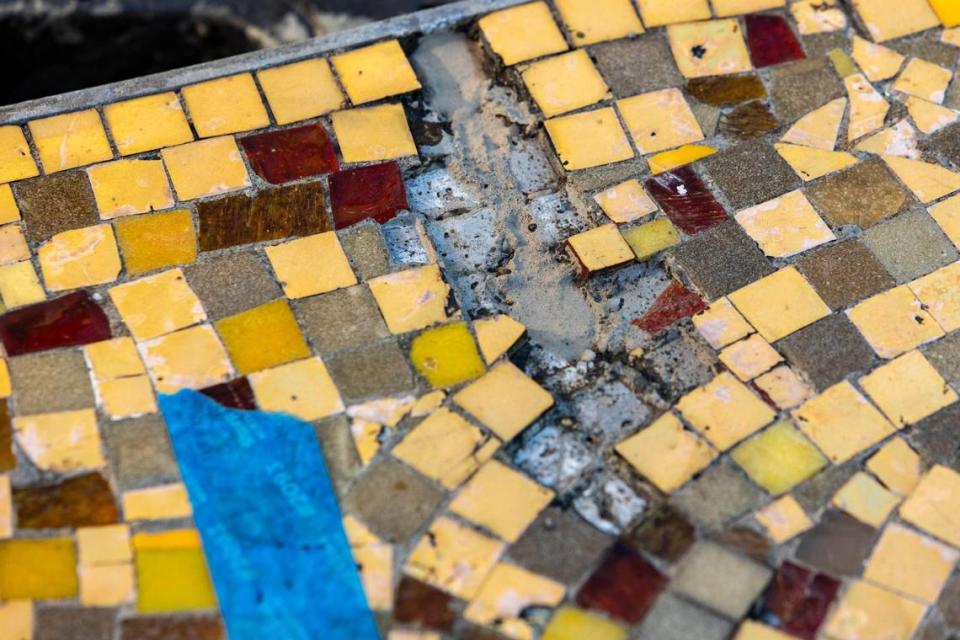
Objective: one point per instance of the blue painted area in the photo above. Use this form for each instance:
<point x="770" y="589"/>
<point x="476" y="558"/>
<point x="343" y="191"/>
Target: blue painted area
<point x="270" y="524"/>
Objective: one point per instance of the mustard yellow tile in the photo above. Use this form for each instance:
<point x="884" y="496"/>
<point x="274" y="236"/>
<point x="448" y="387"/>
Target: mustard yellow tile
<point x="659" y="120"/>
<point x="446" y="355"/>
<point x="785" y="226"/>
<point x="244" y="335"/>
<point x="951" y="36"/>
<point x="445" y="447"/>
<point x="877" y="61"/>
<point x="16" y="161"/>
<point x="454" y="558"/>
<point x="666" y="454"/>
<point x="865" y="499"/>
<point x="842" y="63"/>
<point x="38" y="569"/>
<point x="818" y="16"/>
<point x="930" y="117"/>
<point x="894" y="322"/>
<point x="649" y="239"/>
<point x="910" y="563"/>
<point x="751" y="630"/>
<point x="376" y="71"/>
<point x="16" y="619"/>
<point x="157" y="241"/>
<point x="573" y="624"/>
<point x="125" y="187"/>
<point x="592" y="21"/>
<point x="897" y="140"/>
<point x="167" y="502"/>
<point x="4" y="379"/>
<point x="841" y="422"/>
<point x="656" y="13"/>
<point x="924" y="80"/>
<point x="948" y="12"/>
<point x="600" y="248"/>
<point x="883" y="23"/>
<point x="303" y="389"/>
<point x="497" y="335"/>
<point x="375" y="565"/>
<point x="411" y="299"/>
<point x="311" y="265"/>
<point x="171" y="576"/>
<point x="225" y="105"/>
<point x="726" y="51"/>
<point x="148" y="123"/>
<point x="779" y="304"/>
<point x="819" y="128"/>
<point x="80" y="258"/>
<point x="19" y="285"/>
<point x="666" y="160"/>
<point x="721" y="324"/>
<point x="206" y="168"/>
<point x="784" y="519"/>
<point x="13" y="246"/>
<point x="565" y="82"/>
<point x="427" y="404"/>
<point x="109" y="544"/>
<point x="867" y="611"/>
<point x="6" y="508"/>
<point x="724" y="411"/>
<point x="868" y="108"/>
<point x="947" y="215"/>
<point x="589" y="139"/>
<point x="70" y="140"/>
<point x="908" y="389"/>
<point x="810" y="164"/>
<point x="926" y="180"/>
<point x="751" y="357"/>
<point x="784" y="387"/>
<point x="504" y="400"/>
<point x="522" y="33"/>
<point x="897" y="466"/>
<point x="725" y="8"/>
<point x="779" y="458"/>
<point x="127" y="397"/>
<point x="505" y="596"/>
<point x="166" y="540"/>
<point x="301" y="90"/>
<point x="116" y="358"/>
<point x="63" y="441"/>
<point x="158" y="304"/>
<point x="373" y="133"/>
<point x="106" y="586"/>
<point x="934" y="506"/>
<point x="625" y="202"/>
<point x="9" y="212"/>
<point x="190" y="358"/>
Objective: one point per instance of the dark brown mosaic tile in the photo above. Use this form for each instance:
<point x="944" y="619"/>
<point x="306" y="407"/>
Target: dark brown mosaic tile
<point x="799" y="87"/>
<point x="81" y="501"/>
<point x="747" y="541"/>
<point x="750" y="173"/>
<point x="726" y="90"/>
<point x="51" y="381"/>
<point x="376" y="370"/>
<point x="910" y="245"/>
<point x="8" y="460"/>
<point x="665" y="533"/>
<point x="624" y="586"/>
<point x="140" y="452"/>
<point x="798" y="600"/>
<point x="231" y="284"/>
<point x="845" y="273"/>
<point x="828" y="350"/>
<point x="341" y="319"/>
<point x="747" y="121"/>
<point x="55" y="203"/>
<point x="837" y="545"/>
<point x="168" y="628"/>
<point x="71" y="320"/>
<point x="862" y="195"/>
<point x="560" y="546"/>
<point x="418" y="603"/>
<point x="290" y="154"/>
<point x="721" y="260"/>
<point x="619" y="60"/>
<point x="686" y="200"/>
<point x="74" y="623"/>
<point x="235" y="394"/>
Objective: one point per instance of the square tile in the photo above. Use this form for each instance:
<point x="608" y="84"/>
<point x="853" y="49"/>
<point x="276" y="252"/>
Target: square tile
<point x="505" y="597"/>
<point x="70" y="140"/>
<point x="827" y="351"/>
<point x="947" y="215"/>
<point x="897" y="466"/>
<point x="845" y="273"/>
<point x="798" y="600"/>
<point x="666" y="454"/>
<point x="934" y="506"/>
<point x="147" y="123"/>
<point x="205" y="168"/>
<point x="724" y="411"/>
<point x="454" y="558"/>
<point x="38" y="568"/>
<point x="57" y="203"/>
<point x="377" y="71"/>
<point x="750" y="357"/>
<point x="158" y="304"/>
<point x="342" y="319"/>
<point x="710" y="48"/>
<point x="64" y="441"/>
<point x="784" y="519"/>
<point x="9" y="212"/>
<point x="837" y="545"/>
<point x="106" y="585"/>
<point x="785" y="226"/>
<point x="80" y="258"/>
<point x="750" y="173"/>
<point x="779" y="458"/>
<point x="720" y="580"/>
<point x="862" y="195"/>
<point x="866" y="611"/>
<point x="171" y="572"/>
<point x="649" y="239"/>
<point x="618" y="60"/>
<point x="865" y="499"/>
<point x="446" y="355"/>
<point x="412" y="299"/>
<point x="779" y="304"/>
<point x="301" y="90"/>
<point x="564" y="83"/>
<point x="126" y="397"/>
<point x="686" y="200"/>
<point x="673" y="125"/>
<point x="625" y="202"/>
<point x="505" y="400"/>
<point x="371" y="134"/>
<point x="560" y="545"/>
<point x="16" y="161"/>
<point x="589" y="22"/>
<point x="169" y="502"/>
<point x="910" y="245"/>
<point x="908" y="389"/>
<point x="720" y="260"/>
<point x="111" y="359"/>
<point x="51" y="381"/>
<point x="625" y="586"/>
<point x="108" y="544"/>
<point x="883" y="26"/>
<point x="375" y="370"/>
<point x="245" y="334"/>
<point x="600" y="248"/>
<point x="157" y="241"/>
<point x="910" y="563"/>
<point x="673" y="618"/>
<point x="366" y="249"/>
<point x="140" y="453"/>
<point x="894" y="322"/>
<point x="225" y="105"/>
<point x="522" y="33"/>
<point x="311" y="265"/>
<point x="126" y="187"/>
<point x="285" y="155"/>
<point x="569" y="623"/>
<point x="656" y="13"/>
<point x="232" y="283"/>
<point x="19" y="285"/>
<point x="303" y="389"/>
<point x="716" y="498"/>
<point x="187" y="359"/>
<point x="589" y="139"/>
<point x="81" y="623"/>
<point x="374" y="192"/>
<point x="783" y="387"/>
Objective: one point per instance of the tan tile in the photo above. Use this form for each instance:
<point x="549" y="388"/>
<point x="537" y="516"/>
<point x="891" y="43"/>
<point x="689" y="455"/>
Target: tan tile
<point x="784" y="519"/>
<point x="947" y="215"/>
<point x="592" y="21"/>
<point x="522" y="33"/>
<point x="810" y="163"/>
<point x="818" y="16"/>
<point x="877" y="61"/>
<point x="934" y="506"/>
<point x="127" y="397"/>
<point x="866" y="611"/>
<point x="19" y="285"/>
<point x="147" y="123"/>
<point x="504" y="400"/>
<point x="412" y="299"/>
<point x="126" y="187"/>
<point x="779" y="304"/>
<point x="785" y="226"/>
<point x="80" y="258"/>
<point x="897" y="140"/>
<point x="600" y="248"/>
<point x="301" y="90"/>
<point x="666" y="454"/>
<point x="724" y="411"/>
<point x="819" y="128"/>
<point x="926" y="180"/>
<point x="721" y="324"/>
<point x="910" y="563"/>
<point x="750" y="357"/>
<point x="373" y="133"/>
<point x="377" y="71"/>
<point x="116" y="358"/>
<point x="109" y="544"/>
<point x="206" y="168"/>
<point x="303" y="389"/>
<point x="62" y="442"/>
<point x="496" y="335"/>
<point x="886" y="20"/>
<point x="894" y="322"/>
<point x="930" y="117"/>
<point x="625" y="202"/>
<point x="865" y="499"/>
<point x="908" y="389"/>
<point x="784" y="387"/>
<point x="166" y="502"/>
<point x="301" y="275"/>
<point x="9" y="212"/>
<point x="505" y="597"/>
<point x="13" y="246"/>
<point x="867" y="107"/>
<point x="924" y="80"/>
<point x="106" y="586"/>
<point x="225" y="105"/>
<point x="158" y="304"/>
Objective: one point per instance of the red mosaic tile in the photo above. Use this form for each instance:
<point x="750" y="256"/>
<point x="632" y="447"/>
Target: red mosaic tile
<point x="374" y="192"/>
<point x="686" y="200"/>
<point x="291" y="154"/>
<point x="68" y="321"/>
<point x="625" y="585"/>
<point x="675" y="303"/>
<point x="771" y="41"/>
<point x="235" y="394"/>
<point x="798" y="600"/>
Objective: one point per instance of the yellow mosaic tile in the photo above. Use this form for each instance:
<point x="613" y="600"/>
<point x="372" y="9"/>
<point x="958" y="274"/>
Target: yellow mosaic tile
<point x="148" y="123"/>
<point x="927" y="181"/>
<point x="190" y="358"/>
<point x="80" y="258"/>
<point x="784" y="387"/>
<point x="171" y="573"/>
<point x="109" y="544"/>
<point x="127" y="397"/>
<point x="303" y="389"/>
<point x="600" y="248"/>
<point x="565" y="82"/>
<point x="897" y="140"/>
<point x="934" y="506"/>
<point x="114" y="358"/>
<point x="667" y="160"/>
<point x="16" y="619"/>
<point x="497" y="335"/>
<point x="505" y="597"/>
<point x="726" y="8"/>
<point x="810" y="164"/>
<point x="158" y="304"/>
<point x="589" y="139"/>
<point x="868" y="109"/>
<point x="6" y="509"/>
<point x="841" y="422"/>
<point x="924" y="80"/>
<point x="865" y="499"/>
<point x="659" y="120"/>
<point x="13" y="246"/>
<point x="63" y="441"/>
<point x="573" y="624"/>
<point x="501" y="500"/>
<point x="897" y="466"/>
<point x="929" y="117"/>
<point x="779" y="458"/>
<point x="657" y="13"/>
<point x="300" y="272"/>
<point x="910" y="563"/>
<point x="373" y="133"/>
<point x="894" y="322"/>
<point x="446" y="355"/>
<point x="225" y="105"/>
<point x="784" y="519"/>
<point x="157" y="241"/>
<point x="749" y="358"/>
<point x="9" y="212"/>
<point x="866" y="611"/>
<point x="206" y="168"/>
<point x="19" y="285"/>
<point x="666" y="454"/>
<point x="779" y="304"/>
<point x="886" y="22"/>
<point x="378" y="71"/>
<point x="412" y="299"/>
<point x="157" y="503"/>
<point x="106" y="586"/>
<point x="785" y="226"/>
<point x="70" y="140"/>
<point x="819" y="128"/>
<point x="243" y="335"/>
<point x="721" y="324"/>
<point x="722" y="44"/>
<point x="522" y="33"/>
<point x="454" y="558"/>
<point x="592" y="21"/>
<point x="649" y="239"/>
<point x="445" y="447"/>
<point x="877" y="61"/>
<point x="625" y="202"/>
<point x="125" y="187"/>
<point x="818" y="16"/>
<point x="375" y="565"/>
<point x="5" y="389"/>
<point x="38" y="569"/>
<point x="16" y="161"/>
<point x="948" y="12"/>
<point x="301" y="90"/>
<point x="751" y="630"/>
<point x="951" y="36"/>
<point x="947" y="215"/>
<point x="908" y="389"/>
<point x="724" y="411"/>
<point x="504" y="400"/>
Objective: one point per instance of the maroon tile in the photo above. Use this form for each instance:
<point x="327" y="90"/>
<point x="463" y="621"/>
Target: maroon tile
<point x="374" y="192"/>
<point x="798" y="600"/>
<point x="418" y="602"/>
<point x="686" y="200"/>
<point x="235" y="394"/>
<point x="291" y="154"/>
<point x="675" y="303"/>
<point x="68" y="321"/>
<point x="771" y="41"/>
<point x="8" y="461"/>
<point x="81" y="501"/>
<point x="624" y="585"/>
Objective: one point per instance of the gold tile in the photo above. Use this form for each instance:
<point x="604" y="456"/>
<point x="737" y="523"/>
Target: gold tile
<point x="157" y="304"/>
<point x="245" y="333"/>
<point x="206" y="168"/>
<point x="70" y="140"/>
<point x="934" y="506"/>
<point x="16" y="161"/>
<point x="377" y="71"/>
<point x="897" y="466"/>
<point x="592" y="21"/>
<point x="600" y="248"/>
<point x="412" y="299"/>
<point x="373" y="133"/>
<point x="779" y="304"/>
<point x="785" y="226"/>
<point x="715" y="47"/>
<point x="894" y="322"/>
<point x="667" y="160"/>
<point x="301" y="90"/>
<point x="784" y="519"/>
<point x="504" y="400"/>
<point x="908" y="389"/>
<point x="573" y="624"/>
<point x="19" y="285"/>
<point x="588" y="139"/>
<point x="80" y="258"/>
<point x="191" y="358"/>
<point x="522" y="33"/>
<point x="656" y="13"/>
<point x="301" y="274"/>
<point x="724" y="411"/>
<point x="565" y="82"/>
<point x="157" y="241"/>
<point x="910" y="563"/>
<point x="126" y="187"/>
<point x="37" y="569"/>
<point x="303" y="389"/>
<point x="148" y="123"/>
<point x="659" y="120"/>
<point x="225" y="105"/>
<point x="865" y="499"/>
